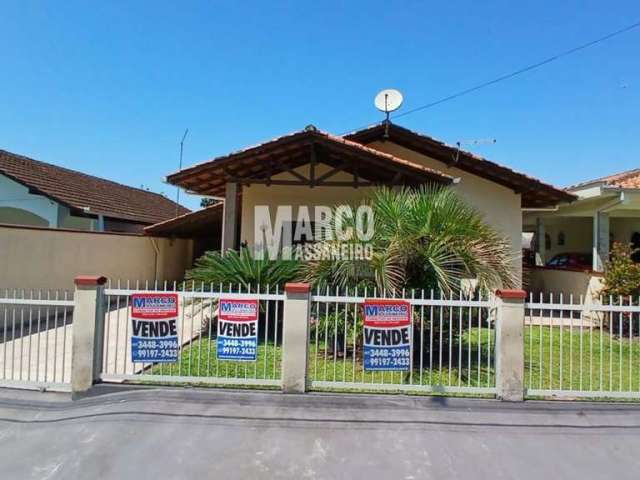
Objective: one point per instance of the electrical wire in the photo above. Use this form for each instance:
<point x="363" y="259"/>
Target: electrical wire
<point x="518" y="72"/>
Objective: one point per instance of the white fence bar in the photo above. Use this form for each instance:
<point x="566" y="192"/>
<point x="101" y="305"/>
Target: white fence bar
<point x="582" y="348"/>
<point x="197" y="361"/>
<point x="35" y="339"/>
<point x="452" y="338"/>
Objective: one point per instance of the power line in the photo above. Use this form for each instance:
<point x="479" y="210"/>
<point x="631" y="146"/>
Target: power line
<point x="520" y="71"/>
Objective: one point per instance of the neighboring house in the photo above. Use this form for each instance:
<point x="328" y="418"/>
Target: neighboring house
<point x="607" y="210"/>
<point x="39" y="194"/>
<point x="312" y="168"/>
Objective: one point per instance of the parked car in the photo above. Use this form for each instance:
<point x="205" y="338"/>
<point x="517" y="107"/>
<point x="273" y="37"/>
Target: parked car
<point x="571" y="260"/>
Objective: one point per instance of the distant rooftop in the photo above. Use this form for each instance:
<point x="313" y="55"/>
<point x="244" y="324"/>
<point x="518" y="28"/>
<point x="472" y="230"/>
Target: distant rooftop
<point x="86" y="193"/>
<point x="627" y="179"/>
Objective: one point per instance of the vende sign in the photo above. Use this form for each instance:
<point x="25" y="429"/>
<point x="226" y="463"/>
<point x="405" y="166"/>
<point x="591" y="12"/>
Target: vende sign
<point x="154" y="327"/>
<point x="387" y="335"/>
<point x="237" y="329"/>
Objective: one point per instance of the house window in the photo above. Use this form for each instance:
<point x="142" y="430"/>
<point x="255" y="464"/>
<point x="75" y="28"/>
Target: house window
<point x="561" y="239"/>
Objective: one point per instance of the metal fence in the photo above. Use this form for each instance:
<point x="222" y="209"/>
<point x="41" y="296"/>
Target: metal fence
<point x="582" y="347"/>
<point x="36" y="336"/>
<point x="197" y="361"/>
<point x="452" y="343"/>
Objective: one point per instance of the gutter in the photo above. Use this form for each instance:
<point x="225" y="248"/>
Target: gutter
<point x="547" y="209"/>
<point x="613" y="203"/>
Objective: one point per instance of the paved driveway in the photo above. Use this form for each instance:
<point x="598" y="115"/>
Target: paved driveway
<point x="38" y="349"/>
<point x="189" y="433"/>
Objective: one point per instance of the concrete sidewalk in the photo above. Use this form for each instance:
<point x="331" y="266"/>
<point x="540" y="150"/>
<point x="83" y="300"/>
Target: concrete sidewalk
<point x="193" y="433"/>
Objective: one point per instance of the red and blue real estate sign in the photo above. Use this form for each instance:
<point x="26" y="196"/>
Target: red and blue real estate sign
<point x="387" y="335"/>
<point x="237" y="329"/>
<point x="154" y="322"/>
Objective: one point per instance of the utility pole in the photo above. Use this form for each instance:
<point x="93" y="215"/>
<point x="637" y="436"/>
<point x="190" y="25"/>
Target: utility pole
<point x="180" y="168"/>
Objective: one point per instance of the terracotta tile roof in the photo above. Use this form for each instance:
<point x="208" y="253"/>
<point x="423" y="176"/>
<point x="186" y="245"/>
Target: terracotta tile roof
<point x="77" y="191"/>
<point x="201" y="223"/>
<point x="209" y="177"/>
<point x="628" y="179"/>
<point x="535" y="193"/>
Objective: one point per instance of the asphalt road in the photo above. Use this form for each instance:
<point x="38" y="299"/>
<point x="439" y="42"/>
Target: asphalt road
<point x="191" y="433"/>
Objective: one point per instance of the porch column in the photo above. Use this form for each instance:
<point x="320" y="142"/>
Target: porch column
<point x="600" y="240"/>
<point x="540" y="242"/>
<point x="230" y="217"/>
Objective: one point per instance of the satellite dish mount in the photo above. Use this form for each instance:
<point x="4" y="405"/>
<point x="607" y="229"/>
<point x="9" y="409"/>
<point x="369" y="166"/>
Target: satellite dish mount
<point x="388" y="101"/>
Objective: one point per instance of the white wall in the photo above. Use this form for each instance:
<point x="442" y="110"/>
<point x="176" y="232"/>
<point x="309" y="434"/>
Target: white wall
<point x="19" y="207"/>
<point x="16" y="196"/>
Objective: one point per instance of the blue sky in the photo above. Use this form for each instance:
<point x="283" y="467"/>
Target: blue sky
<point x="109" y="87"/>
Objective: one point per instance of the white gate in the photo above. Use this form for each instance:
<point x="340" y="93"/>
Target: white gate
<point x="453" y="344"/>
<point x="582" y="348"/>
<point x="197" y="362"/>
<point x="36" y="336"/>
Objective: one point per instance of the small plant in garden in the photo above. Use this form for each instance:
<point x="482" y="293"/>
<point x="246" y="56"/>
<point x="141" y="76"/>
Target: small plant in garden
<point x="622" y="274"/>
<point x="330" y="328"/>
<point x="622" y="284"/>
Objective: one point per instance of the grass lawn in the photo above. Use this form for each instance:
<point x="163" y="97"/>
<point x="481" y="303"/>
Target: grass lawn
<point x="606" y="362"/>
<point x="598" y="362"/>
<point x="199" y="360"/>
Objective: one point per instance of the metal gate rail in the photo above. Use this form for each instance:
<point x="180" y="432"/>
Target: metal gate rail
<point x="453" y="344"/>
<point x="36" y="337"/>
<point x="197" y="362"/>
<point x="584" y="349"/>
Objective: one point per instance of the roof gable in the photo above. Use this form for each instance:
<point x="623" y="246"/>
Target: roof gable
<point x="535" y="194"/>
<point x="260" y="163"/>
<point x="86" y="193"/>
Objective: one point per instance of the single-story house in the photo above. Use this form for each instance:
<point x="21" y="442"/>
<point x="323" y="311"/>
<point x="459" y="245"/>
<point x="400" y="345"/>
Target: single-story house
<point x="39" y="194"/>
<point x="311" y="168"/>
<point x="607" y="210"/>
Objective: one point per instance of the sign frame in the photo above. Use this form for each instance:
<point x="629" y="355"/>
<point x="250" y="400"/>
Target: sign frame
<point x="240" y="346"/>
<point x="159" y="325"/>
<point x="394" y="324"/>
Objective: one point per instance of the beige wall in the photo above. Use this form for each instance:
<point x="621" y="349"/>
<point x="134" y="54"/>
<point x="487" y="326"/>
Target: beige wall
<point x="296" y="196"/>
<point x="50" y="258"/>
<point x="499" y="205"/>
<point x="578" y="235"/>
<point x="565" y="282"/>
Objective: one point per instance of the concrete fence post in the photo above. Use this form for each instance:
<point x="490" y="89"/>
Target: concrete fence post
<point x="510" y="345"/>
<point x="88" y="326"/>
<point x="295" y="337"/>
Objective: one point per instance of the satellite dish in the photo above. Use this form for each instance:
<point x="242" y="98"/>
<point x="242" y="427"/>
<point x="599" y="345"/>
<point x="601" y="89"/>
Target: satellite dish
<point x="388" y="100"/>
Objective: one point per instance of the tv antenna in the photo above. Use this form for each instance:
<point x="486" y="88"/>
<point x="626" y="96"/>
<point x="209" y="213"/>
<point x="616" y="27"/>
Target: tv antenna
<point x="180" y="168"/>
<point x="388" y="101"/>
<point x="479" y="141"/>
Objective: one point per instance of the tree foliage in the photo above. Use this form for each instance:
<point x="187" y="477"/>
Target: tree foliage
<point x="425" y="237"/>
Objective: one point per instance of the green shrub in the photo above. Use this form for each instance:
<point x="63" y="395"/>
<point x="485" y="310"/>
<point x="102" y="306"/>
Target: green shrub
<point x="241" y="268"/>
<point x="622" y="274"/>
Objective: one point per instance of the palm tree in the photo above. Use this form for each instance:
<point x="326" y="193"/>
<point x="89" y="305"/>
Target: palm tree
<point x="242" y="269"/>
<point x="423" y="238"/>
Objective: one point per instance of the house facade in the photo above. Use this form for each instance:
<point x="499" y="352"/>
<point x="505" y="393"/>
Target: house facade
<point x="606" y="210"/>
<point x="39" y="194"/>
<point x="312" y="168"/>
